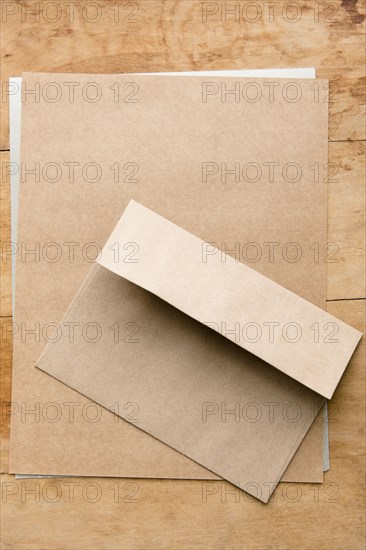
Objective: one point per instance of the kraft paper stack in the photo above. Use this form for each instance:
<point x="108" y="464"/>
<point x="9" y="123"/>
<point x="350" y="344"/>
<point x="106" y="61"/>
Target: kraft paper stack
<point x="228" y="201"/>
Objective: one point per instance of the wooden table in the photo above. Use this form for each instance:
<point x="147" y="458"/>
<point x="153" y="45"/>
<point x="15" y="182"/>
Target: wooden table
<point x="157" y="35"/>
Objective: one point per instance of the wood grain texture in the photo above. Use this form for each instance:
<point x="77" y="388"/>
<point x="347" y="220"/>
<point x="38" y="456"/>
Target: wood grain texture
<point x="6" y="345"/>
<point x="163" y="35"/>
<point x="346" y="220"/>
<point x="347" y="111"/>
<point x="166" y="514"/>
<point x="5" y="237"/>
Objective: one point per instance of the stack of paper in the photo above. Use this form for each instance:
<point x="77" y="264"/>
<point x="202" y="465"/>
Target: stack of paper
<point x="202" y="323"/>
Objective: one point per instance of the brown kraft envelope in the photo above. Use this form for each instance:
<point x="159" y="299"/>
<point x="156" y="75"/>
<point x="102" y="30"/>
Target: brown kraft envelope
<point x="231" y="298"/>
<point x="191" y="150"/>
<point x="176" y="402"/>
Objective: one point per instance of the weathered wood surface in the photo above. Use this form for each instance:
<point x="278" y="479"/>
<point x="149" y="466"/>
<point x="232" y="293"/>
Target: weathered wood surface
<point x="163" y="35"/>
